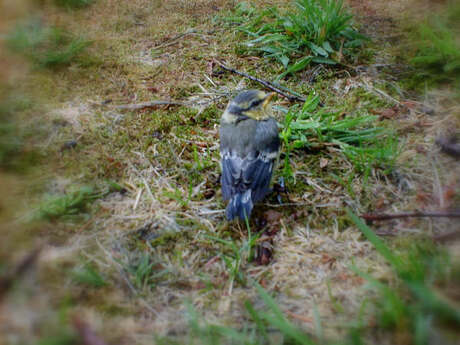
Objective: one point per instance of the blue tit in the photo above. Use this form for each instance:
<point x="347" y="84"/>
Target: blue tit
<point x="249" y="146"/>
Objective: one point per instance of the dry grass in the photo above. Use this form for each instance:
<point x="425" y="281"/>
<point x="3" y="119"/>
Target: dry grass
<point x="170" y="208"/>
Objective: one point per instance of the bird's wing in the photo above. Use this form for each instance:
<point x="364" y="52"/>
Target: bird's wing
<point x="252" y="172"/>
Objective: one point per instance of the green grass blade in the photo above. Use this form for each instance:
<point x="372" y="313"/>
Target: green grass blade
<point x="375" y="240"/>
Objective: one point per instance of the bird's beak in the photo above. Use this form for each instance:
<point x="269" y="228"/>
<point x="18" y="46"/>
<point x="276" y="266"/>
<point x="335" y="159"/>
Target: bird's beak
<point x="267" y="100"/>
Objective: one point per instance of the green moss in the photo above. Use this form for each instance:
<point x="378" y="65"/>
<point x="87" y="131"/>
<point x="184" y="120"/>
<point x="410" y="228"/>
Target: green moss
<point x="74" y="4"/>
<point x="210" y="115"/>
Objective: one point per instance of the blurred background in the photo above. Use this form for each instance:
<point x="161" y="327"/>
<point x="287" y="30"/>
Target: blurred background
<point x="95" y="217"/>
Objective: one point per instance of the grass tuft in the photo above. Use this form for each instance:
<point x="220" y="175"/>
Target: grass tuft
<point x="88" y="275"/>
<point x="270" y="320"/>
<point x="236" y="255"/>
<point x="365" y="145"/>
<point x="72" y="204"/>
<point x="437" y="46"/>
<point x="143" y="273"/>
<point x="416" y="305"/>
<point x="315" y="31"/>
<point x="45" y="46"/>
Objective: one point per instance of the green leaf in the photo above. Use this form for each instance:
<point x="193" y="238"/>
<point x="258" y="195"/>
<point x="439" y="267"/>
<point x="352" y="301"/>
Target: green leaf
<point x="327" y="47"/>
<point x="319" y="59"/>
<point x="317" y="49"/>
<point x="298" y="66"/>
<point x="284" y="60"/>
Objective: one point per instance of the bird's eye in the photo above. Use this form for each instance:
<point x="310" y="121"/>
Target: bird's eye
<point x="256" y="103"/>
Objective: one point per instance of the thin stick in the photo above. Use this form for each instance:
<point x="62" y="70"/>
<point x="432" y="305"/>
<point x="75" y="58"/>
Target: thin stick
<point x="152" y="104"/>
<point x="373" y="89"/>
<point x="174" y="39"/>
<point x="385" y="216"/>
<point x="299" y="317"/>
<point x="267" y="84"/>
<point x="447" y="237"/>
<point x="291" y="204"/>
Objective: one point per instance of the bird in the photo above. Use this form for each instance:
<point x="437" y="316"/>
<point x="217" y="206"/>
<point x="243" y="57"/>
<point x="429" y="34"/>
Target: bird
<point x="249" y="147"/>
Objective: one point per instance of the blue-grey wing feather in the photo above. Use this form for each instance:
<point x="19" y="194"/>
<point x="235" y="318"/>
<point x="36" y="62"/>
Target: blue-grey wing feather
<point x="240" y="174"/>
<point x="260" y="175"/>
<point x="227" y="179"/>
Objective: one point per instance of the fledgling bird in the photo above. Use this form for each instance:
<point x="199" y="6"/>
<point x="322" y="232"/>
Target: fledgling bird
<point x="249" y="146"/>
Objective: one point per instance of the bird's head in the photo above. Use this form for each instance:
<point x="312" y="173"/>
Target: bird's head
<point x="252" y="104"/>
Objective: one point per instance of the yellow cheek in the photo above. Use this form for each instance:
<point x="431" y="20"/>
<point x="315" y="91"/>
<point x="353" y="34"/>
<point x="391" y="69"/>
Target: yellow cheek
<point x="256" y="115"/>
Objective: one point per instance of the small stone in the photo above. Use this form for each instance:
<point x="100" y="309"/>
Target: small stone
<point x="427" y="110"/>
<point x="323" y="163"/>
<point x="71" y="144"/>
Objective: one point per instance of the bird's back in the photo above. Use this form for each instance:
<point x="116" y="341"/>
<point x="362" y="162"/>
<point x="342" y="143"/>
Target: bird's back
<point x="248" y="151"/>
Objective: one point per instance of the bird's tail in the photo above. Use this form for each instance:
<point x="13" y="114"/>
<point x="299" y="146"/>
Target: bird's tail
<point x="240" y="206"/>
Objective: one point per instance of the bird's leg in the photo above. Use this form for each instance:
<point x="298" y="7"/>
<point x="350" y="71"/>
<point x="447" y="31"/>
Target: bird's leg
<point x="263" y="248"/>
<point x="279" y="188"/>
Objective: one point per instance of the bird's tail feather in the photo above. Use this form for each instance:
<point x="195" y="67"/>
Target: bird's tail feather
<point x="240" y="206"/>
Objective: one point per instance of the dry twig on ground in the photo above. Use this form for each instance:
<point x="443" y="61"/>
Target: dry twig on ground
<point x="447" y="236"/>
<point x="175" y="39"/>
<point x="267" y="84"/>
<point x="419" y="214"/>
<point x="151" y="104"/>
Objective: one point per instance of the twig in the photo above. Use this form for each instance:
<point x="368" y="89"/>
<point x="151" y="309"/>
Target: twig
<point x="385" y="233"/>
<point x="205" y="212"/>
<point x="299" y="317"/>
<point x="152" y="104"/>
<point x="447" y="237"/>
<point x="373" y="89"/>
<point x="122" y="274"/>
<point x="385" y="216"/>
<point x="293" y="204"/>
<point x="174" y="40"/>
<point x="267" y="84"/>
<point x="148" y="306"/>
<point x="138" y="197"/>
